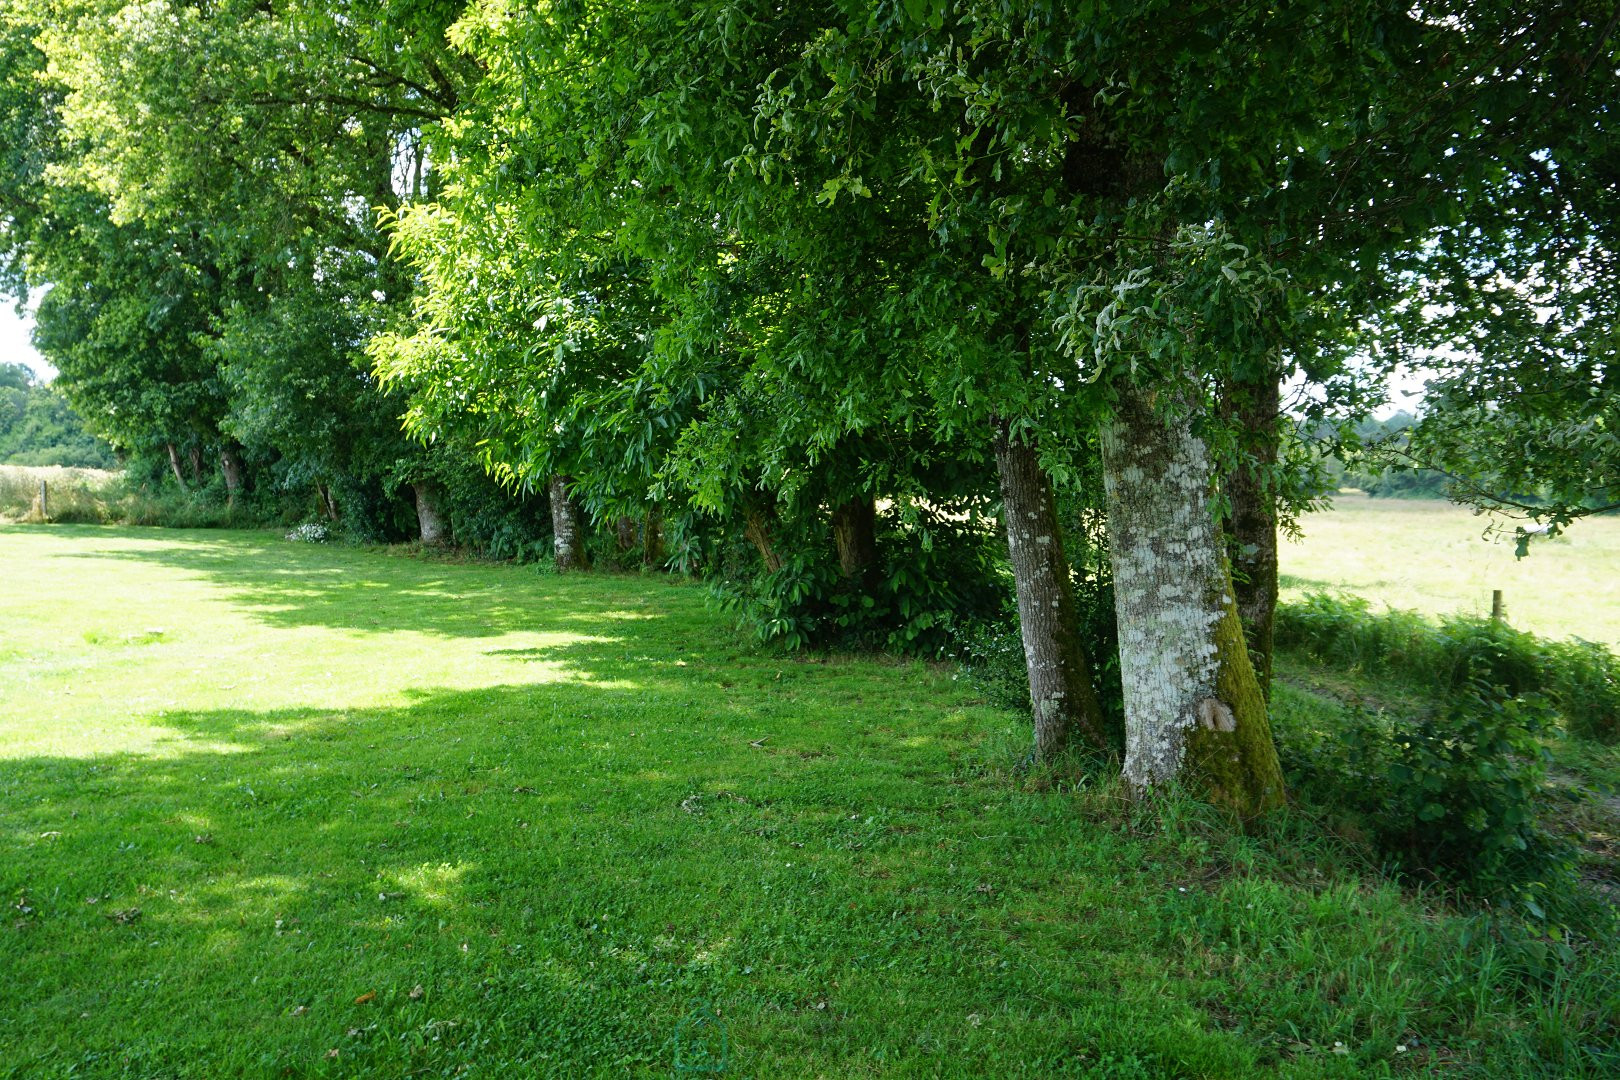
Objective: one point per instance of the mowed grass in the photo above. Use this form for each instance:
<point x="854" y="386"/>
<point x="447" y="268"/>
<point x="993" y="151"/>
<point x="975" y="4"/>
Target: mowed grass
<point x="1430" y="556"/>
<point x="277" y="810"/>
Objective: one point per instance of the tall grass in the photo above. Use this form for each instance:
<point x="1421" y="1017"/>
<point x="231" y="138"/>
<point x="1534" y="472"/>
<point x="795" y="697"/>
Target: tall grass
<point x="79" y="496"/>
<point x="1580" y="678"/>
<point x="98" y="497"/>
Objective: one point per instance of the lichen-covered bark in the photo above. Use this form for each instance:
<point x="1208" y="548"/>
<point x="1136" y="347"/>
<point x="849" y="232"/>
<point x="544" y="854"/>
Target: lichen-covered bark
<point x="1194" y="711"/>
<point x="429" y="517"/>
<point x="1062" y="699"/>
<point x="855" y="535"/>
<point x="1253" y="406"/>
<point x="1238" y="767"/>
<point x="567" y="526"/>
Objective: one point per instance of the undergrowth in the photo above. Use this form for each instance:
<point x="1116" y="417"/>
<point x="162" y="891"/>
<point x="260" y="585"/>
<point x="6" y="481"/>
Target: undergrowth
<point x="1581" y="679"/>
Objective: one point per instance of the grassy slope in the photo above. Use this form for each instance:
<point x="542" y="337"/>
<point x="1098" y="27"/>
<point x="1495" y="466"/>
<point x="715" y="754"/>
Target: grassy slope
<point x="567" y="809"/>
<point x="1428" y="556"/>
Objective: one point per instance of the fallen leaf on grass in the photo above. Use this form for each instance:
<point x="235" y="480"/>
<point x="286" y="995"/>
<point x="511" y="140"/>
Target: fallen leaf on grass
<point x="125" y="916"/>
<point x="300" y="1010"/>
<point x="417" y="992"/>
<point x="366" y="998"/>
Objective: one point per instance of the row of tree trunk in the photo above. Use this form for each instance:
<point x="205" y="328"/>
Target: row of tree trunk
<point x="1195" y="700"/>
<point x="1194" y="645"/>
<point x="230" y="467"/>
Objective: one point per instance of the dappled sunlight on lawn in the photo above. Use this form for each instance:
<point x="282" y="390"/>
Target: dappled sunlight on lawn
<point x="121" y="628"/>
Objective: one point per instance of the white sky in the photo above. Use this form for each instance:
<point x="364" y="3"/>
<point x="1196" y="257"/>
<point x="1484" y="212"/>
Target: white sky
<point x="14" y="344"/>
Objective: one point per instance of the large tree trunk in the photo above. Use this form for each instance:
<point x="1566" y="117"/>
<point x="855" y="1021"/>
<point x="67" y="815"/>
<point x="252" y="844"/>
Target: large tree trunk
<point x="230" y="466"/>
<point x="429" y="516"/>
<point x="194" y="452"/>
<point x="855" y="533"/>
<point x="328" y="502"/>
<point x="757" y="527"/>
<point x="1193" y="707"/>
<point x="1061" y="696"/>
<point x="567" y="526"/>
<point x="1254" y="406"/>
<point x="174" y="466"/>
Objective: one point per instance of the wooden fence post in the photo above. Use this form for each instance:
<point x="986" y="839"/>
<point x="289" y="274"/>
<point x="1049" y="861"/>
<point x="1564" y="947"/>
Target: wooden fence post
<point x="44" y="503"/>
<point x="1498" y="610"/>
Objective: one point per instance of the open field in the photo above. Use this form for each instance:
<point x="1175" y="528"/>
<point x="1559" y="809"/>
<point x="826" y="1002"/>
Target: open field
<point x="274" y="810"/>
<point x="1429" y="556"/>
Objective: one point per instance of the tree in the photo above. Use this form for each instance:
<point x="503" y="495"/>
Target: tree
<point x="1514" y="306"/>
<point x="262" y="140"/>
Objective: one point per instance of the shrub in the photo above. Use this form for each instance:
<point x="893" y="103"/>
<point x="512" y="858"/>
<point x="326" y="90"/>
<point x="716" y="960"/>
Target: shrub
<point x="930" y="579"/>
<point x="1580" y="678"/>
<point x="1583" y="677"/>
<point x="1451" y="794"/>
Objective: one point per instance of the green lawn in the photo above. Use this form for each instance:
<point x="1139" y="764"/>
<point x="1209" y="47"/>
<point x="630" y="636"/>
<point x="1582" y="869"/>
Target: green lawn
<point x="1430" y="556"/>
<point x="275" y="810"/>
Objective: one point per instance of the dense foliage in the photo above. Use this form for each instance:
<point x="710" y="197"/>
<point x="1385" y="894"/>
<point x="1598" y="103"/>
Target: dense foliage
<point x="1453" y="794"/>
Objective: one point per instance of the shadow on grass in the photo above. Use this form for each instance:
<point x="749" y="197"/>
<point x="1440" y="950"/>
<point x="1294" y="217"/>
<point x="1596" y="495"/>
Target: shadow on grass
<point x="574" y="863"/>
<point x="1294" y="581"/>
<point x="284" y="584"/>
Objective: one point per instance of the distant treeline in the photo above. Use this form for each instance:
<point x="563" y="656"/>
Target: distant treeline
<point x="38" y="425"/>
<point x="1371" y="460"/>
